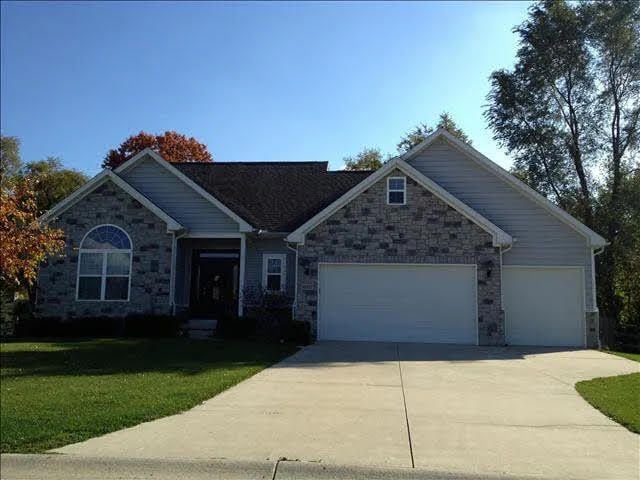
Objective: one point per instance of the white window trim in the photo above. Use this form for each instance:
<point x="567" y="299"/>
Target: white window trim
<point x="103" y="274"/>
<point x="283" y="270"/>
<point x="403" y="190"/>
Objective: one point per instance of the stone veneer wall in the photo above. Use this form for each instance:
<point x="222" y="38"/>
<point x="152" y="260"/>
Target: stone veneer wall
<point x="592" y="320"/>
<point x="151" y="268"/>
<point x="425" y="230"/>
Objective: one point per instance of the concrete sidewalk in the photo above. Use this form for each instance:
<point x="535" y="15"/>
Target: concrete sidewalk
<point x="451" y="409"/>
<point x="73" y="467"/>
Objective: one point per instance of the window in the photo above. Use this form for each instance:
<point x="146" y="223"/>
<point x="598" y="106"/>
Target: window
<point x="104" y="265"/>
<point x="274" y="272"/>
<point x="397" y="190"/>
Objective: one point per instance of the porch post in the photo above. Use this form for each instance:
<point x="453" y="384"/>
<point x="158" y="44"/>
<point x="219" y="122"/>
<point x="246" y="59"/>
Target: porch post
<point x="243" y="254"/>
<point x="172" y="277"/>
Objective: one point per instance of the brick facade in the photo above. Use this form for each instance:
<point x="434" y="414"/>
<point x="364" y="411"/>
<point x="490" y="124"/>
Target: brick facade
<point x="425" y="230"/>
<point x="592" y="320"/>
<point x="151" y="270"/>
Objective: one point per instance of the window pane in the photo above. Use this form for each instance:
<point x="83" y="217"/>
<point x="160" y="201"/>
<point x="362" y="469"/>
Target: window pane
<point x="117" y="288"/>
<point x="396" y="197"/>
<point x="274" y="265"/>
<point x="89" y="288"/>
<point x="107" y="237"/>
<point x="118" y="263"/>
<point x="396" y="184"/>
<point x="273" y="282"/>
<point x="91" y="263"/>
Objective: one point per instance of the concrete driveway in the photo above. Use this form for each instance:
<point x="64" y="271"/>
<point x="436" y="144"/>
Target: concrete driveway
<point x="471" y="410"/>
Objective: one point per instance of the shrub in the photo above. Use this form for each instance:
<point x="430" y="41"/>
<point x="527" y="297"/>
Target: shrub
<point x="154" y="326"/>
<point x="74" y="327"/>
<point x="139" y="325"/>
<point x="294" y="331"/>
<point x="236" y="327"/>
<point x="627" y="338"/>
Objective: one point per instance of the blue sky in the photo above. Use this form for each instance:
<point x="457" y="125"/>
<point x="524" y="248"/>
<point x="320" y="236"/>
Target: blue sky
<point x="254" y="81"/>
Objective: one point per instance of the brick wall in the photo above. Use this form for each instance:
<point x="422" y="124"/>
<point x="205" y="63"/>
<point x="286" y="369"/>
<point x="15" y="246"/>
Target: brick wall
<point x="425" y="230"/>
<point x="151" y="269"/>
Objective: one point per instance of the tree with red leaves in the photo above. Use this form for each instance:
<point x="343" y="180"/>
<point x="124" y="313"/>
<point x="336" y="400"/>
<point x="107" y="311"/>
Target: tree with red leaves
<point x="25" y="241"/>
<point x="173" y="146"/>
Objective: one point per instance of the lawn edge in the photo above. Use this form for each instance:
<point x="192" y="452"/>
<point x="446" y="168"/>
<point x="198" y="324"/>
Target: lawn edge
<point x="628" y="426"/>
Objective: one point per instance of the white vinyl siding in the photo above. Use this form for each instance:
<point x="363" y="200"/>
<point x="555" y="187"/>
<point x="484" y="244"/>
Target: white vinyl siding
<point x="398" y="303"/>
<point x="257" y="248"/>
<point x="540" y="238"/>
<point x="178" y="199"/>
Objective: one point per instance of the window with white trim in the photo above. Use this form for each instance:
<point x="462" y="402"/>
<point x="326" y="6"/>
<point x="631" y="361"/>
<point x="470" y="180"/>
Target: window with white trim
<point x="274" y="267"/>
<point x="397" y="190"/>
<point x="104" y="265"/>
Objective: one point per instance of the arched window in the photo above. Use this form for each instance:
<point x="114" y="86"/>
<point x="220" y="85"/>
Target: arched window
<point x="104" y="264"/>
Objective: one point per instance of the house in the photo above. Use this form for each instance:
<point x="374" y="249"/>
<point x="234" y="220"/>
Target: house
<point x="438" y="245"/>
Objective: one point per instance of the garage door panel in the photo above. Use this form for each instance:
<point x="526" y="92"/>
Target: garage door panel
<point x="420" y="303"/>
<point x="544" y="305"/>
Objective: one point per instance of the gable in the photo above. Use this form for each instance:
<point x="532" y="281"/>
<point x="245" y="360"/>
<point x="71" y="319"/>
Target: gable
<point x="178" y="199"/>
<point x="99" y="181"/>
<point x="499" y="237"/>
<point x="424" y="229"/>
<point x="538" y="233"/>
<point x="442" y="138"/>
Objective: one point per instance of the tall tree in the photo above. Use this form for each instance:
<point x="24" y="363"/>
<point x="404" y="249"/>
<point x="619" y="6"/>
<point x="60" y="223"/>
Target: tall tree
<point x="543" y="110"/>
<point x="173" y="146"/>
<point x="54" y="182"/>
<point x="9" y="157"/>
<point x="422" y="131"/>
<point x="367" y="159"/>
<point x="614" y="35"/>
<point x="569" y="112"/>
<point x="619" y="268"/>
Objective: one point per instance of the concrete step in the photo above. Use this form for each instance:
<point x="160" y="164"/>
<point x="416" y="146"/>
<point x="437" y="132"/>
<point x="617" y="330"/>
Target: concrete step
<point x="199" y="333"/>
<point x="201" y="324"/>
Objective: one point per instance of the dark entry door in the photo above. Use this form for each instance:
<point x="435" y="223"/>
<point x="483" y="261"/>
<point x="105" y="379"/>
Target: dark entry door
<point x="214" y="283"/>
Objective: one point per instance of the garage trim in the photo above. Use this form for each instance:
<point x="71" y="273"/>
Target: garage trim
<point x="472" y="265"/>
<point x="559" y="267"/>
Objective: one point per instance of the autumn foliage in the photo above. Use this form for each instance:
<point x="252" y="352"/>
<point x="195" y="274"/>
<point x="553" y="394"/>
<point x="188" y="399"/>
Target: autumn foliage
<point x="24" y="241"/>
<point x="173" y="146"/>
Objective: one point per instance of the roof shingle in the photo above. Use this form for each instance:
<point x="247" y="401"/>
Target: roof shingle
<point x="273" y="196"/>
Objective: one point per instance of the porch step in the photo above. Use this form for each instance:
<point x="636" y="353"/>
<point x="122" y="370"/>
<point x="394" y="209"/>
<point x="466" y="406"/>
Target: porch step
<point x="201" y="324"/>
<point x="199" y="327"/>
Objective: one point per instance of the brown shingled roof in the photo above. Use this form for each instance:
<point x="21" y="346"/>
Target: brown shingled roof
<point x="273" y="196"/>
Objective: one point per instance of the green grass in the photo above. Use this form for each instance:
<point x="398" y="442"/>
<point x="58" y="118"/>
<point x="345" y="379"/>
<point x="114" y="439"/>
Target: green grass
<point x="56" y="393"/>
<point x="631" y="356"/>
<point x="617" y="397"/>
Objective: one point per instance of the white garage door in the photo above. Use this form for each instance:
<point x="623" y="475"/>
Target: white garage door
<point x="544" y="305"/>
<point x="399" y="303"/>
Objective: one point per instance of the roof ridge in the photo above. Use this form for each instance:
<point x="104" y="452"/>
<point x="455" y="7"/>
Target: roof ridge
<point x="256" y="162"/>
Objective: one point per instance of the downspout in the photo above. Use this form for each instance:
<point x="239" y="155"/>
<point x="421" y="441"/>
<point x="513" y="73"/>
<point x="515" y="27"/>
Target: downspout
<point x="504" y="313"/>
<point x="595" y="252"/>
<point x="295" y="284"/>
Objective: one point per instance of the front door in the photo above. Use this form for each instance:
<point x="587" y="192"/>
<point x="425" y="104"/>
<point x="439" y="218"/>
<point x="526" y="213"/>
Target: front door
<point x="214" y="283"/>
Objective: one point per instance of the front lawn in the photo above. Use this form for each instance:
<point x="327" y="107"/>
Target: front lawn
<point x="630" y="356"/>
<point x="617" y="397"/>
<point x="56" y="393"/>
